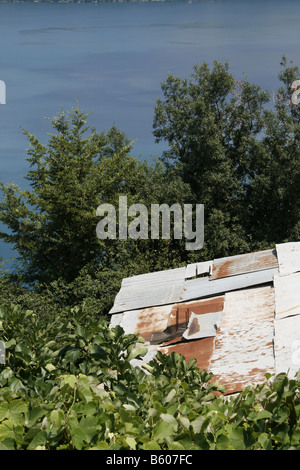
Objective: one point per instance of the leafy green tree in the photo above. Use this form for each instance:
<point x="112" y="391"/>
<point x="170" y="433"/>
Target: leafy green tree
<point x="273" y="188"/>
<point x="53" y="223"/>
<point x="239" y="155"/>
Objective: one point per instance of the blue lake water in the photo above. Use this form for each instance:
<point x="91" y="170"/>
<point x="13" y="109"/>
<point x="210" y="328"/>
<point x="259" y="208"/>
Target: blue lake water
<point x="112" y="57"/>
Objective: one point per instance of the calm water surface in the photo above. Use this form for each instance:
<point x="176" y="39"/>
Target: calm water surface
<point x="113" y="58"/>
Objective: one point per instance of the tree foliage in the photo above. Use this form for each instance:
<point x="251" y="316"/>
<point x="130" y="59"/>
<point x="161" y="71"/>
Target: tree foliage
<point x="71" y="384"/>
<point x="239" y="154"/>
<point x="52" y="225"/>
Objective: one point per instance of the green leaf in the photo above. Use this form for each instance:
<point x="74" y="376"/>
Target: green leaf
<point x="84" y="388"/>
<point x="57" y="417"/>
<point x="4" y="410"/>
<point x="7" y="444"/>
<point x="131" y="442"/>
<point x="265" y="441"/>
<point x="295" y="439"/>
<point x="185" y="422"/>
<point x="236" y="437"/>
<point x="167" y="418"/>
<point x="39" y="439"/>
<point x="16" y="385"/>
<point x="163" y="430"/>
<point x="35" y="414"/>
<point x="78" y="438"/>
<point x="151" y="445"/>
<point x="170" y="395"/>
<point x="18" y="406"/>
<point x="174" y="445"/>
<point x="197" y="424"/>
<point x="280" y="433"/>
<point x="25" y="351"/>
<point x="10" y="343"/>
<point x="256" y="415"/>
<point x="70" y="380"/>
<point x="140" y="351"/>
<point x="281" y="414"/>
<point x="6" y="430"/>
<point x="101" y="445"/>
<point x="89" y="426"/>
<point x="148" y="368"/>
<point x="222" y="442"/>
<point x="129" y="407"/>
<point x="72" y="355"/>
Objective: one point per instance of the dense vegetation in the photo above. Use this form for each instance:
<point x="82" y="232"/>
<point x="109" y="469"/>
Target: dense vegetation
<point x="68" y="382"/>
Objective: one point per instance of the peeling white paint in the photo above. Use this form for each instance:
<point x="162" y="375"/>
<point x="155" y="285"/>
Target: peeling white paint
<point x="288" y="257"/>
<point x="196" y="269"/>
<point x="287" y="345"/>
<point x="259" y="328"/>
<point x="287" y="295"/>
<point x="244" y="343"/>
<point x="148" y="290"/>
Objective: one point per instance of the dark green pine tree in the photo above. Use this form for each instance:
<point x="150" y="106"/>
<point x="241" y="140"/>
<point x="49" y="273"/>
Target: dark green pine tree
<point x="53" y="224"/>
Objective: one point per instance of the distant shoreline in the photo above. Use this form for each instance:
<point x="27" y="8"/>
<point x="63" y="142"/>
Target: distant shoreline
<point x="86" y="1"/>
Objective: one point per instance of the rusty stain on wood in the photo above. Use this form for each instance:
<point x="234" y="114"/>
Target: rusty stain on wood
<point x="243" y="350"/>
<point x="242" y="264"/>
<point x="255" y="297"/>
<point x="200" y="349"/>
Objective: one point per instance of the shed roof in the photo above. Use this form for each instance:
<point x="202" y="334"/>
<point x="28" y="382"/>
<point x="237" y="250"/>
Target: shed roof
<point x="238" y="316"/>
